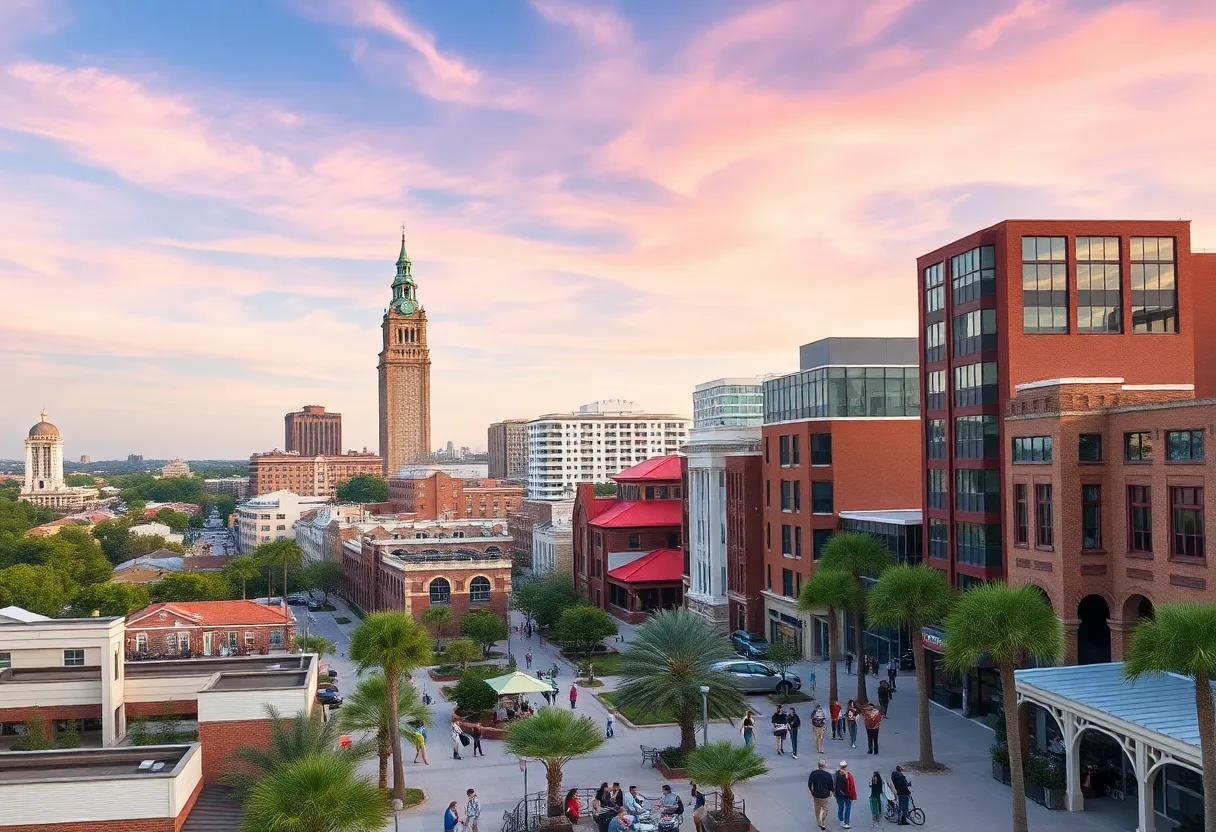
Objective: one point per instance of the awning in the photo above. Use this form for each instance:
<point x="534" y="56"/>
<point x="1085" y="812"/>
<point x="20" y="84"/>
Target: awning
<point x="518" y="682"/>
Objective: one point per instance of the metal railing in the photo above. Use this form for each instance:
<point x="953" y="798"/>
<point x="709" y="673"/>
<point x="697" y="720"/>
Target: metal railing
<point x="527" y="814"/>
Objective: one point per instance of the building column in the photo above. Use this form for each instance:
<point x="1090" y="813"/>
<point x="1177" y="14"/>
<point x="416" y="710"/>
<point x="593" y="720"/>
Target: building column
<point x="1071" y="625"/>
<point x="1074" y="800"/>
<point x="1144" y="792"/>
<point x="1121" y="634"/>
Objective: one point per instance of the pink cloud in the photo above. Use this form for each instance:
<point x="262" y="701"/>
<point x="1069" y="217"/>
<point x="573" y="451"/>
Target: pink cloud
<point x="1023" y="12"/>
<point x="598" y="25"/>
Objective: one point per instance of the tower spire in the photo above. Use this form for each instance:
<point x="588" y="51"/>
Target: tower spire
<point x="402" y="258"/>
<point x="405" y="297"/>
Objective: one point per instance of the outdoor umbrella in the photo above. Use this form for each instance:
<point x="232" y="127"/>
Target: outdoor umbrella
<point x="517" y="682"/>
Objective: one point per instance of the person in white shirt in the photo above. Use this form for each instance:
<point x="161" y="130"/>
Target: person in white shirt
<point x="456" y="735"/>
<point x="635" y="802"/>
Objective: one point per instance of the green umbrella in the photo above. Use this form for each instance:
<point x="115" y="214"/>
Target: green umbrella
<point x="517" y="682"/>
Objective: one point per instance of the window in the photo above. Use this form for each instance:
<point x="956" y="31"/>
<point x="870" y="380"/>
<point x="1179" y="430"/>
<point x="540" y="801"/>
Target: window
<point x="935" y="288"/>
<point x="797" y="454"/>
<point x="768" y="577"/>
<point x="821" y="497"/>
<point x="1032" y="449"/>
<point x="935" y="438"/>
<point x="1091" y="517"/>
<point x="768" y="493"/>
<point x="276" y="639"/>
<point x="937" y="487"/>
<point x="1021" y="516"/>
<point x="1140" y="518"/>
<point x="1044" y="535"/>
<point x="821" y="449"/>
<point x="141" y="642"/>
<point x="977" y="489"/>
<point x="250" y="638"/>
<point x="787" y="583"/>
<point x="1137" y="447"/>
<point x="635" y="542"/>
<point x="766" y="459"/>
<point x="783" y="445"/>
<point x="1184" y="445"/>
<point x="768" y="536"/>
<point x="1089" y="447"/>
<point x="977" y="437"/>
<point x="1044" y="285"/>
<point x="797" y="496"/>
<point x="479" y="590"/>
<point x="1186" y="519"/>
<point x="1154" y="288"/>
<point x="975" y="384"/>
<point x="974" y="274"/>
<point x="73" y="658"/>
<point x="6" y="661"/>
<point x="974" y="332"/>
<point x="798" y="541"/>
<point x="787" y="540"/>
<point x="935" y="390"/>
<point x="441" y="592"/>
<point x="787" y="495"/>
<point x="978" y="544"/>
<point x="819" y="539"/>
<point x="935" y="342"/>
<point x="1099" y="285"/>
<point x="937" y="539"/>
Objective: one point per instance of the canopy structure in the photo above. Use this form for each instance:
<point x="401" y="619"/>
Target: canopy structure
<point x="517" y="682"/>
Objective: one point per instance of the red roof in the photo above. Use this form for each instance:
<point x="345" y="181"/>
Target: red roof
<point x="661" y="468"/>
<point x="659" y="566"/>
<point x="210" y="613"/>
<point x="633" y="514"/>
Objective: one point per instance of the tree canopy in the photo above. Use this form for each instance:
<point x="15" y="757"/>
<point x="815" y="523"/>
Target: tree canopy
<point x="111" y="599"/>
<point x="584" y="627"/>
<point x="193" y="586"/>
<point x="363" y="488"/>
<point x="484" y="627"/>
<point x="544" y="601"/>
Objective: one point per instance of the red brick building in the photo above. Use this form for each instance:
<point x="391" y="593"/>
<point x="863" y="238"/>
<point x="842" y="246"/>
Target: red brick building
<point x="434" y="495"/>
<point x="209" y="628"/>
<point x="312" y="432"/>
<point x="745" y="555"/>
<point x="628" y="549"/>
<point x="308" y="476"/>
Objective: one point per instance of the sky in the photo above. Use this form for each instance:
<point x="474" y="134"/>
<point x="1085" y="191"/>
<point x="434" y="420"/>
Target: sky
<point x="201" y="201"/>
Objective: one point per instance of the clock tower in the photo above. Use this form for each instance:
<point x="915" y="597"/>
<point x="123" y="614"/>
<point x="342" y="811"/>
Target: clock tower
<point x="405" y="374"/>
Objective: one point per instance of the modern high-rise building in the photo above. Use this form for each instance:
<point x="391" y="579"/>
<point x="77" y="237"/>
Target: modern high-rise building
<point x="405" y="375"/>
<point x="311" y="431"/>
<point x="728" y="402"/>
<point x="508" y="449"/>
<point x="600" y="440"/>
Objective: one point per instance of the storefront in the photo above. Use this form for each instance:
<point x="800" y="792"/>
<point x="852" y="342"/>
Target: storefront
<point x="976" y="692"/>
<point x="782" y="627"/>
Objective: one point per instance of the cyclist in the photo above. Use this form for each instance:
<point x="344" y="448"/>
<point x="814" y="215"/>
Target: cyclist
<point x="903" y="792"/>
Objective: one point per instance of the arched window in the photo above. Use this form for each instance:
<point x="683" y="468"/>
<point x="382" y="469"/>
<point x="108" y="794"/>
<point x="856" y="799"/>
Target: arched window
<point x="441" y="592"/>
<point x="479" y="590"/>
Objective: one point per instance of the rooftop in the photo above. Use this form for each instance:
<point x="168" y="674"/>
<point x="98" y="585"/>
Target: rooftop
<point x="23" y="616"/>
<point x="92" y="763"/>
<point x="256" y="680"/>
<point x="859" y="352"/>
<point x="629" y="514"/>
<point x="209" y="613"/>
<point x="656" y="469"/>
<point x="20" y="675"/>
<point x="894" y="516"/>
<point x="659" y="566"/>
<point x="207" y="666"/>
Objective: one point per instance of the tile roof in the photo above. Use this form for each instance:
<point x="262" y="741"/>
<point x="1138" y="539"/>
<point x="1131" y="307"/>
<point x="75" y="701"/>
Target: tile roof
<point x="659" y="566"/>
<point x="206" y="563"/>
<point x="212" y="613"/>
<point x="660" y="468"/>
<point x="632" y="514"/>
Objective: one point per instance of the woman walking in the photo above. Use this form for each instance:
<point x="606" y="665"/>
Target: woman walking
<point x="876" y="796"/>
<point x="884" y="696"/>
<point x="780" y="728"/>
<point x="872" y="718"/>
<point x="850" y="717"/>
<point x="819" y="721"/>
<point x="748" y="729"/>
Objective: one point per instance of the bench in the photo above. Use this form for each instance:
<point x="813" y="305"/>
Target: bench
<point x="649" y="755"/>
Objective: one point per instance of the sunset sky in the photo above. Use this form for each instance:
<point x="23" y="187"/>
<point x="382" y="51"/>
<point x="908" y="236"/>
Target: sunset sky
<point x="201" y="202"/>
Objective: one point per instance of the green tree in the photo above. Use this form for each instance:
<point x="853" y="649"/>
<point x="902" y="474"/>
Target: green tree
<point x="37" y="736"/>
<point x="667" y="663"/>
<point x="242" y="568"/>
<point x="725" y="765"/>
<point x="484" y="627"/>
<point x="837" y="591"/>
<point x="461" y="652"/>
<point x="1182" y="639"/>
<point x="366" y="710"/>
<point x="395" y="643"/>
<point x="605" y="489"/>
<point x="1009" y="625"/>
<point x="146" y="544"/>
<point x="544" y="601"/>
<point x="177" y="521"/>
<point x="136" y="510"/>
<point x="861" y="555"/>
<point x="75" y="480"/>
<point x="320" y="793"/>
<point x="273" y="554"/>
<point x="39" y="589"/>
<point x="325" y="575"/>
<point x="313" y="643"/>
<point x="192" y="586"/>
<point x="438" y="617"/>
<point x="291" y="739"/>
<point x="114" y="538"/>
<point x="555" y="737"/>
<point x="913" y="597"/>
<point x="471" y="693"/>
<point x="583" y="628"/>
<point x="76" y="554"/>
<point x="782" y="653"/>
<point x="111" y="599"/>
<point x="363" y="488"/>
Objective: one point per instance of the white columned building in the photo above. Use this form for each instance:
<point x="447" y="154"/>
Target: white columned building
<point x="43" y="483"/>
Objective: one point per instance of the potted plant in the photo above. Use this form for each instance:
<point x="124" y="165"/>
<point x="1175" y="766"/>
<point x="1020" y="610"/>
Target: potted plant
<point x="725" y="765"/>
<point x="1055" y="784"/>
<point x="1036" y="770"/>
<point x="999" y="751"/>
<point x="555" y="737"/>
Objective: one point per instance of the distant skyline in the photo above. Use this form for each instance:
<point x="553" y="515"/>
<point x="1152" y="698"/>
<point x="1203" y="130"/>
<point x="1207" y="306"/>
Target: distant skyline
<point x="201" y="202"/>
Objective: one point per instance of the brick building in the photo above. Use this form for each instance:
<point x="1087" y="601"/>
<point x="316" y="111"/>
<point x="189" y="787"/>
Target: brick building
<point x="311" y="431"/>
<point x="308" y="476"/>
<point x="841" y="434"/>
<point x="627" y="550"/>
<point x="209" y="628"/>
<point x="435" y="495"/>
<point x="507" y="444"/>
<point x="532" y="513"/>
<point x="745" y="541"/>
<point x="404" y="373"/>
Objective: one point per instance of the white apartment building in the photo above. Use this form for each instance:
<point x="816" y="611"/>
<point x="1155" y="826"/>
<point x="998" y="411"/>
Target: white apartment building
<point x="603" y="438"/>
<point x="728" y="402"/>
<point x="270" y="517"/>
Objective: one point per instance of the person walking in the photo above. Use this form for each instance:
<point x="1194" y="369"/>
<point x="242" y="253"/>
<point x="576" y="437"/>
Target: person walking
<point x="819" y="721"/>
<point x="848" y="664"/>
<point x="837" y="725"/>
<point x="420" y="748"/>
<point x="457" y="740"/>
<point x="528" y="660"/>
<point x="698" y="809"/>
<point x="903" y="793"/>
<point x="780" y="728"/>
<point x="608" y="727"/>
<point x="573" y="697"/>
<point x="872" y="718"/>
<point x="451" y="818"/>
<point x="892" y="672"/>
<point x="821" y="784"/>
<point x="846" y="792"/>
<point x="748" y="729"/>
<point x="851" y="715"/>
<point x="548" y="694"/>
<point x="794" y="722"/>
<point x="472" y="811"/>
<point x="884" y="697"/>
<point x="875" y="799"/>
<point x="572" y="806"/>
<point x="810" y="681"/>
<point x="475" y="733"/>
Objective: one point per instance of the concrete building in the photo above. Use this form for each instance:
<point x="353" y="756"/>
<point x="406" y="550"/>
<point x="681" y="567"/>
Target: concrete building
<point x="530" y="515"/>
<point x="309" y="476"/>
<point x="312" y="529"/>
<point x="269" y="517"/>
<point x="600" y="440"/>
<point x="553" y="547"/>
<point x="434" y="495"/>
<point x="236" y="486"/>
<point x="728" y="402"/>
<point x="43" y="483"/>
<point x="404" y="375"/>
<point x="839" y="435"/>
<point x="209" y="628"/>
<point x="507" y="442"/>
<point x="176" y="468"/>
<point x="85" y="459"/>
<point x="311" y="431"/>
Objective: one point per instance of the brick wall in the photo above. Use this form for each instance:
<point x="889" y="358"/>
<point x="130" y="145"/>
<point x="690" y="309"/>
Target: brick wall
<point x="745" y="541"/>
<point x="158" y="638"/>
<point x="51" y="713"/>
<point x="220" y="740"/>
<point x="176" y="707"/>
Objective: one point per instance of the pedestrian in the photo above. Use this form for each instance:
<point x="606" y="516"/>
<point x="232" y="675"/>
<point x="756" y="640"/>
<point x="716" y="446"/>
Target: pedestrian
<point x="780" y="728"/>
<point x="810" y="680"/>
<point x="698" y="808"/>
<point x="821" y="784"/>
<point x="600" y="801"/>
<point x="620" y="821"/>
<point x="748" y="729"/>
<point x="609" y="726"/>
<point x="472" y="811"/>
<point x="420" y="745"/>
<point x="872" y="718"/>
<point x="573" y="697"/>
<point x="528" y="660"/>
<point x="875" y="799"/>
<point x="548" y="696"/>
<point x="850" y="717"/>
<point x="892" y="671"/>
<point x="873" y="662"/>
<point x="451" y="818"/>
<point x="837" y="725"/>
<point x="846" y="792"/>
<point x="794" y="723"/>
<point x="884" y="697"/>
<point x="848" y="664"/>
<point x="616" y="795"/>
<point x="819" y="721"/>
<point x="458" y="739"/>
<point x="475" y="733"/>
<point x="903" y="793"/>
<point x="572" y="806"/>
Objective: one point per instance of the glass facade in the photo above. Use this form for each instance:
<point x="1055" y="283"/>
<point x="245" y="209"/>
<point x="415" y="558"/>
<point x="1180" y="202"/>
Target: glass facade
<point x="974" y="274"/>
<point x="734" y="405"/>
<point x="1099" y="285"/>
<point x="1044" y="284"/>
<point x="904" y="543"/>
<point x="841" y="392"/>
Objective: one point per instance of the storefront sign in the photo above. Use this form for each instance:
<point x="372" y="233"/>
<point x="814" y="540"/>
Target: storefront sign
<point x="934" y="639"/>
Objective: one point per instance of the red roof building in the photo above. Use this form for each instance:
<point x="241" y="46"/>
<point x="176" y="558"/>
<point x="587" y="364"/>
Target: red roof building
<point x="628" y="549"/>
<point x="209" y="628"/>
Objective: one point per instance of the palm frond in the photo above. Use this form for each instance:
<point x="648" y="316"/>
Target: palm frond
<point x="318" y="792"/>
<point x="1181" y="638"/>
<point x="392" y="641"/>
<point x="553" y="735"/>
<point x="1007" y="624"/>
<point x="910" y="596"/>
<point x="724" y="764"/>
<point x="834" y="588"/>
<point x="858" y="553"/>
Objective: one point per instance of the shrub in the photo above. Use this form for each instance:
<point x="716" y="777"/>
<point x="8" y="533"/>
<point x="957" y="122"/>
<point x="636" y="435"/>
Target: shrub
<point x="472" y="693"/>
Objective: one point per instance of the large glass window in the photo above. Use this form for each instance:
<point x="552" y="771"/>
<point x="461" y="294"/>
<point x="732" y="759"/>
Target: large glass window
<point x="974" y="274"/>
<point x="1154" y="285"/>
<point x="819" y="539"/>
<point x="935" y="390"/>
<point x="783" y="444"/>
<point x="787" y="496"/>
<point x="1089" y="447"/>
<point x="1091" y="517"/>
<point x="974" y="332"/>
<point x="441" y="592"/>
<point x="1021" y="516"/>
<point x="977" y="437"/>
<point x="935" y="342"/>
<point x="821" y="497"/>
<point x="1184" y="445"/>
<point x="935" y="289"/>
<point x="1032" y="449"/>
<point x="1044" y="517"/>
<point x="839" y="392"/>
<point x="787" y="540"/>
<point x="479" y="590"/>
<point x="935" y="438"/>
<point x="936" y="481"/>
<point x="1186" y="519"/>
<point x="1140" y="518"/>
<point x="975" y="384"/>
<point x="1044" y="284"/>
<point x="1099" y="285"/>
<point x="978" y="544"/>
<point x="821" y="449"/>
<point x="977" y="489"/>
<point x="1137" y="447"/>
<point x="937" y="539"/>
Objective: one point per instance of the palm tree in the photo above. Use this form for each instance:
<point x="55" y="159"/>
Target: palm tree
<point x="242" y="568"/>
<point x="291" y="739"/>
<point x="1009" y="625"/>
<point x="313" y="643"/>
<point x="367" y="710"/>
<point x="438" y="617"/>
<point x="862" y="555"/>
<point x="555" y="737"/>
<point x="317" y="793"/>
<point x="396" y="643"/>
<point x="725" y="765"/>
<point x="837" y="591"/>
<point x="667" y="663"/>
<point x="913" y="596"/>
<point x="275" y="553"/>
<point x="1182" y="639"/>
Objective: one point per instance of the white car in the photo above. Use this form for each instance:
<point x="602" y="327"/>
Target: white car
<point x="751" y="676"/>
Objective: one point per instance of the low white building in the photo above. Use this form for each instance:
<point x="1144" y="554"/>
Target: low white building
<point x="270" y="517"/>
<point x="311" y="527"/>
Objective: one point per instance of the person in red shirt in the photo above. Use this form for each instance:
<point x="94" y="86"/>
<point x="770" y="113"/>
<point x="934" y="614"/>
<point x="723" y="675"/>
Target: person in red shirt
<point x="846" y="793"/>
<point x="873" y="718"/>
<point x="837" y="733"/>
<point x="573" y="697"/>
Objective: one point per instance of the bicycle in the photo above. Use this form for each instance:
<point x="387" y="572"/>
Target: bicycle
<point x="916" y="815"/>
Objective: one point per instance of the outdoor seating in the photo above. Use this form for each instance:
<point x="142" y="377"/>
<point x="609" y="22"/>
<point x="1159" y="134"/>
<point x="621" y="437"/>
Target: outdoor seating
<point x="649" y="755"/>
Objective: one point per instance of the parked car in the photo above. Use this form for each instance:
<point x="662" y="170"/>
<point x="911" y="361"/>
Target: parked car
<point x="297" y="600"/>
<point x="328" y="696"/>
<point x="749" y="644"/>
<point x="757" y="677"/>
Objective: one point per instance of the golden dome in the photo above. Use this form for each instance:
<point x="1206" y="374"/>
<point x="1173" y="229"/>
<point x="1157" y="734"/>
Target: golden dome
<point x="44" y="428"/>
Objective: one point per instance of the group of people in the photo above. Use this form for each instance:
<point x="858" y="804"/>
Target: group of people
<point x="871" y="668"/>
<point x="453" y="822"/>
<point x="787" y="724"/>
<point x="631" y="806"/>
<point x="824" y="785"/>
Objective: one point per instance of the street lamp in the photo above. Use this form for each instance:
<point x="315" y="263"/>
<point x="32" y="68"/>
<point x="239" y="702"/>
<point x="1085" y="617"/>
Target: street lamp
<point x="523" y="766"/>
<point x="704" y="714"/>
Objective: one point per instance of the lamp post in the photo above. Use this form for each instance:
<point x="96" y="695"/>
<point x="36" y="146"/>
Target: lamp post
<point x="397" y="807"/>
<point x="523" y="766"/>
<point x="704" y="714"/>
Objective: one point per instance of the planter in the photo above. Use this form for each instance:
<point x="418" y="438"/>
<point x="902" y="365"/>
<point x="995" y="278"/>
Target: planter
<point x="1001" y="772"/>
<point x="1035" y="793"/>
<point x="713" y="822"/>
<point x="1056" y="799"/>
<point x="442" y="677"/>
<point x="670" y="773"/>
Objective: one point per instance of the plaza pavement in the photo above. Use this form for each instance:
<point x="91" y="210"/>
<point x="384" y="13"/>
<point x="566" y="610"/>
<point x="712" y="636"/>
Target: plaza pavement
<point x="965" y="799"/>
